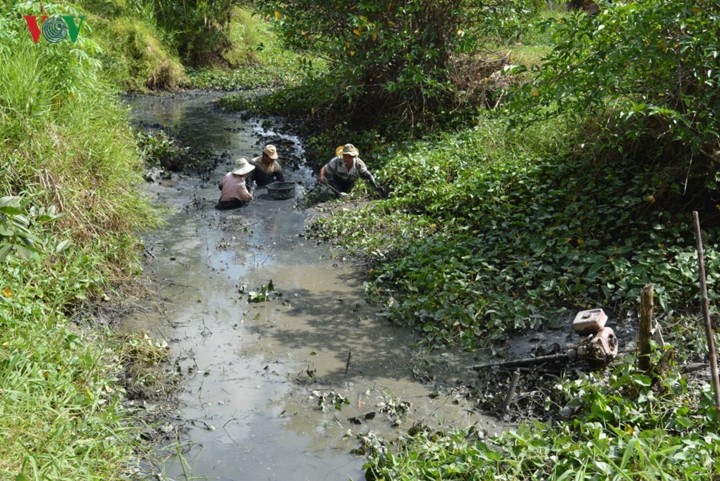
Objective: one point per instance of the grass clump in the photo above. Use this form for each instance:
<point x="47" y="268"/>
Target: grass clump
<point x="61" y="413"/>
<point x="136" y="58"/>
<point x="131" y="48"/>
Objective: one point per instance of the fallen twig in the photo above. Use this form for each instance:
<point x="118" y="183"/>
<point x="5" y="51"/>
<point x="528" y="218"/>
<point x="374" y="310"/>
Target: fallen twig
<point x="529" y="361"/>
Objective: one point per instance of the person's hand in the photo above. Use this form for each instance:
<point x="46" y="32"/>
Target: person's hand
<point x="323" y="179"/>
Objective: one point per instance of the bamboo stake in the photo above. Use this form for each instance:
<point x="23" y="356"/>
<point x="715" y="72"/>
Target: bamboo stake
<point x="706" y="312"/>
<point x="645" y="332"/>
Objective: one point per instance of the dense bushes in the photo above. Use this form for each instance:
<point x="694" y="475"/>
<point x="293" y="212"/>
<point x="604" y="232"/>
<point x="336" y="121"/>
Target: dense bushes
<point x="645" y="77"/>
<point x="397" y="67"/>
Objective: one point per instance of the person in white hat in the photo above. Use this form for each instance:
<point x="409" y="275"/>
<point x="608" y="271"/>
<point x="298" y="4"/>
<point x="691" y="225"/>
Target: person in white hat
<point x="233" y="186"/>
<point x="267" y="168"/>
<point x="341" y="171"/>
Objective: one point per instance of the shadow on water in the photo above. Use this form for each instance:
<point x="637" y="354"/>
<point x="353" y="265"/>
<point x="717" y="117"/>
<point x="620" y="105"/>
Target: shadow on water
<point x="259" y="378"/>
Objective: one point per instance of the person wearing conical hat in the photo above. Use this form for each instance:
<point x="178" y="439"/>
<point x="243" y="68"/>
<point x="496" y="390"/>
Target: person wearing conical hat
<point x="342" y="171"/>
<point x="267" y="168"/>
<point x="233" y="186"/>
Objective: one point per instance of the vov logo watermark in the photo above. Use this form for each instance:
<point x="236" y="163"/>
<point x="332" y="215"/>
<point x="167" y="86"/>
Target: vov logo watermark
<point x="54" y="29"/>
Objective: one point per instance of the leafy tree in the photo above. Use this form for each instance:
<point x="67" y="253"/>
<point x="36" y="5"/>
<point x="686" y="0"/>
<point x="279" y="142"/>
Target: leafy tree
<point x="650" y="70"/>
<point x="393" y="56"/>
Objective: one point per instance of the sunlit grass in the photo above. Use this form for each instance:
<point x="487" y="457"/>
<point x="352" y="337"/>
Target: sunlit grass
<point x="66" y="148"/>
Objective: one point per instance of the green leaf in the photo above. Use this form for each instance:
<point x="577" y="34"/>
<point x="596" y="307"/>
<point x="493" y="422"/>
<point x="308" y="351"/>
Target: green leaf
<point x="62" y="246"/>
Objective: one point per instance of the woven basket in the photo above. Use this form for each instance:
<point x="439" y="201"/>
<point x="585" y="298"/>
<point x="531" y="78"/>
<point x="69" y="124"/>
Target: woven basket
<point x="281" y="190"/>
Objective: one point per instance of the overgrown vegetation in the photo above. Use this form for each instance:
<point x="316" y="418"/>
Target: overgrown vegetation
<point x="156" y="45"/>
<point x="397" y="60"/>
<point x="128" y="44"/>
<point x="379" y="72"/>
<point x="627" y="428"/>
<point x="70" y="213"/>
<point x="483" y="236"/>
<point x="495" y="228"/>
<point x="578" y="191"/>
<point x="255" y="59"/>
<point x="572" y="190"/>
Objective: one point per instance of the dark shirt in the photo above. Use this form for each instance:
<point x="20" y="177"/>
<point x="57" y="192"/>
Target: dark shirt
<point x="264" y="175"/>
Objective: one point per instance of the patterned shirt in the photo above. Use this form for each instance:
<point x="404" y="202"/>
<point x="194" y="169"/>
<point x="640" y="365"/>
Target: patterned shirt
<point x="336" y="168"/>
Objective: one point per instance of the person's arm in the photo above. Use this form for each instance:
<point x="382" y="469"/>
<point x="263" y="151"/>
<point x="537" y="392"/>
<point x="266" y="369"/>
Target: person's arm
<point x="279" y="174"/>
<point x="365" y="174"/>
<point x="244" y="192"/>
<point x="323" y="174"/>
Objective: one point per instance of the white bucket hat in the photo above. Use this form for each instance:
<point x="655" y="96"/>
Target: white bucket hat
<point x="270" y="151"/>
<point x="243" y="167"/>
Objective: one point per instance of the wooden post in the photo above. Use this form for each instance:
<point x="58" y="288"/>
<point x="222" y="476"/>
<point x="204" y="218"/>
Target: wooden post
<point x="706" y="312"/>
<point x="645" y="332"/>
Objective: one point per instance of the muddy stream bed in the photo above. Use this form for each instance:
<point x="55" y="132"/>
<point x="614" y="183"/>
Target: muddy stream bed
<point x="279" y="389"/>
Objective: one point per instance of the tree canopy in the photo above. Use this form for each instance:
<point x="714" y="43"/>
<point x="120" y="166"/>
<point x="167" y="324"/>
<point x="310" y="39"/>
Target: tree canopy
<point x="394" y="56"/>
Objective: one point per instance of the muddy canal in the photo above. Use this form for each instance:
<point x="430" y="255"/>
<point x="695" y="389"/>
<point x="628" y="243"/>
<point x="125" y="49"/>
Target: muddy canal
<point x="278" y="389"/>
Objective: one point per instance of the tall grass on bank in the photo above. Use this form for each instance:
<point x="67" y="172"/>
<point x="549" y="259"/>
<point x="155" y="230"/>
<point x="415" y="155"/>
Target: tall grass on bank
<point x="133" y="50"/>
<point x="66" y="150"/>
<point x="60" y="413"/>
<point x="67" y="143"/>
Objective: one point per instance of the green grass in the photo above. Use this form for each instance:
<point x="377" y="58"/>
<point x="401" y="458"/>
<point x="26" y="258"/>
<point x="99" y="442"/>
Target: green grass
<point x="131" y="49"/>
<point x="71" y="164"/>
<point x="61" y="412"/>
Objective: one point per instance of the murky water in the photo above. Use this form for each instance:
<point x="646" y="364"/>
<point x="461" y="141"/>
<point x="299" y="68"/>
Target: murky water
<point x="276" y="390"/>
